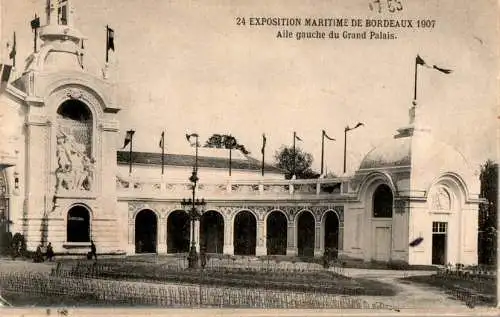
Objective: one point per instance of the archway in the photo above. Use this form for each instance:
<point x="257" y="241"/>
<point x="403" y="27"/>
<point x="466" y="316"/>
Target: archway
<point x="212" y="232"/>
<point x="245" y="231"/>
<point x="305" y="234"/>
<point x="178" y="232"/>
<point x="382" y="203"/>
<point x="331" y="233"/>
<point x="78" y="224"/>
<point x="276" y="226"/>
<point x="145" y="232"/>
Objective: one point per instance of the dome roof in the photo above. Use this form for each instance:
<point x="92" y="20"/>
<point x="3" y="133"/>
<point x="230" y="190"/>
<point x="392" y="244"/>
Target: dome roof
<point x="395" y="152"/>
<point x="420" y="148"/>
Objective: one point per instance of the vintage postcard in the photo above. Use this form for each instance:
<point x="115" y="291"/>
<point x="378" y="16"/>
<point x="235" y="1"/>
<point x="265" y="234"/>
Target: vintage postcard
<point x="212" y="157"/>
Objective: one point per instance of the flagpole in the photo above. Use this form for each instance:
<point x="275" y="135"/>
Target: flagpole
<point x="36" y="35"/>
<point x="322" y="150"/>
<point x="294" y="156"/>
<point x="230" y="158"/>
<point x="107" y="43"/>
<point x="162" y="152"/>
<point x="415" y="83"/>
<point x="130" y="154"/>
<point x="263" y="151"/>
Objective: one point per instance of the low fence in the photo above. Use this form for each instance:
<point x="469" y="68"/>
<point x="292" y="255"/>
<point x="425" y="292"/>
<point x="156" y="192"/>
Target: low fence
<point x="110" y="292"/>
<point x="325" y="282"/>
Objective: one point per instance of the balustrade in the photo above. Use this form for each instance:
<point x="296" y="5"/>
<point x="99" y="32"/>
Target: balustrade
<point x="286" y="189"/>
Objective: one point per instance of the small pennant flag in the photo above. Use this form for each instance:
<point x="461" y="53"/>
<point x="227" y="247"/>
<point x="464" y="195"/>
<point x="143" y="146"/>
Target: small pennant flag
<point x="111" y="39"/>
<point x="358" y="125"/>
<point x="162" y="140"/>
<point x="264" y="139"/>
<point x="297" y="137"/>
<point x="416" y="242"/>
<point x="35" y="23"/>
<point x="419" y="60"/>
<point x="6" y="69"/>
<point x="189" y="136"/>
<point x="326" y="136"/>
<point x="128" y="137"/>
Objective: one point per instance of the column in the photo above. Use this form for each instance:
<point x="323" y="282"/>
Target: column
<point x="162" y="236"/>
<point x="228" y="247"/>
<point x="197" y="234"/>
<point x="261" y="248"/>
<point x="318" y="240"/>
<point x="291" y="240"/>
<point x="131" y="237"/>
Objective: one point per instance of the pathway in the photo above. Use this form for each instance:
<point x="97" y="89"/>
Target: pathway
<point x="410" y="295"/>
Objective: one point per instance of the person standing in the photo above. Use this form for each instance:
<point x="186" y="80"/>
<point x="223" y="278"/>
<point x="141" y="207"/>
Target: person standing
<point x="50" y="252"/>
<point x="93" y="250"/>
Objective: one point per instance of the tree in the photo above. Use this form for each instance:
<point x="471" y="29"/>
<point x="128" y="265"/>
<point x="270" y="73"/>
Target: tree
<point x="284" y="159"/>
<point x="488" y="213"/>
<point x="225" y="141"/>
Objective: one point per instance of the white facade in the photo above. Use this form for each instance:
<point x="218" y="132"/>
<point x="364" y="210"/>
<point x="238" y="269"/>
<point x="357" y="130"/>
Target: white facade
<point x="58" y="134"/>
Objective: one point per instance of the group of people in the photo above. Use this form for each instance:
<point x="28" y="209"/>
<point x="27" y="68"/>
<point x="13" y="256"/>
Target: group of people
<point x="49" y="252"/>
<point x="39" y="255"/>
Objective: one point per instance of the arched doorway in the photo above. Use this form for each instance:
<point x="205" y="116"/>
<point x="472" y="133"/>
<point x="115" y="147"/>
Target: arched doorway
<point x="276" y="226"/>
<point x="245" y="231"/>
<point x="212" y="232"/>
<point x="382" y="208"/>
<point x="178" y="232"/>
<point x="331" y="230"/>
<point x="78" y="224"/>
<point x="305" y="234"/>
<point x="145" y="232"/>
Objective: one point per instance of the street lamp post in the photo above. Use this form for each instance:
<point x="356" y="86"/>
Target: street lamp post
<point x="194" y="213"/>
<point x="359" y="124"/>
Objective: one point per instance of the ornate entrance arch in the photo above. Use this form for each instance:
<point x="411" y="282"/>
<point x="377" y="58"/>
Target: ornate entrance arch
<point x="146" y="224"/>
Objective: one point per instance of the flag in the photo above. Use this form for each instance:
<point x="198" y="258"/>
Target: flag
<point x="263" y="143"/>
<point x="297" y="137"/>
<point x="420" y="61"/>
<point x="110" y="43"/>
<point x="128" y="137"/>
<point x="326" y="136"/>
<point x="358" y="125"/>
<point x="12" y="54"/>
<point x="162" y="140"/>
<point x="35" y="23"/>
<point x="6" y="69"/>
<point x="189" y="136"/>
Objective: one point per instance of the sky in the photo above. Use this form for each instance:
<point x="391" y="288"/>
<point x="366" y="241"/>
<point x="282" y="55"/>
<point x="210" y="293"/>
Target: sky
<point x="186" y="66"/>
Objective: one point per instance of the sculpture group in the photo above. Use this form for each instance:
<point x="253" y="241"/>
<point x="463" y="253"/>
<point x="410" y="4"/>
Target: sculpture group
<point x="75" y="169"/>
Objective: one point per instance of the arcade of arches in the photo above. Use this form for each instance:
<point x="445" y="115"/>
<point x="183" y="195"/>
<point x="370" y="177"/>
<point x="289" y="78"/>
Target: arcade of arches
<point x="235" y="231"/>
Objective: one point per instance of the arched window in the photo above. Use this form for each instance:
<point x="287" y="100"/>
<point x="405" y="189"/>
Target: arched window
<point x="75" y="123"/>
<point x="78" y="225"/>
<point x="382" y="202"/>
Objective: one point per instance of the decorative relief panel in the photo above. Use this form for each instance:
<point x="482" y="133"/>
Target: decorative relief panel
<point x="441" y="200"/>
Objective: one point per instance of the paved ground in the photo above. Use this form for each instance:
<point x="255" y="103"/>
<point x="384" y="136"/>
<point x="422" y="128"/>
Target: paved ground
<point x="409" y="296"/>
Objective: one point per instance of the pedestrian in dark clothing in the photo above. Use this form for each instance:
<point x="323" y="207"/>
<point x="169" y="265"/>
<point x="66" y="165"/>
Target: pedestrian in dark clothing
<point x="203" y="258"/>
<point x="38" y="254"/>
<point x="50" y="252"/>
<point x="93" y="250"/>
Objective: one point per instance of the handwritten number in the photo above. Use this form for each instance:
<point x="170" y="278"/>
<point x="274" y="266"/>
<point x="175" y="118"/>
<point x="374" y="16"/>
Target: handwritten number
<point x="392" y="5"/>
